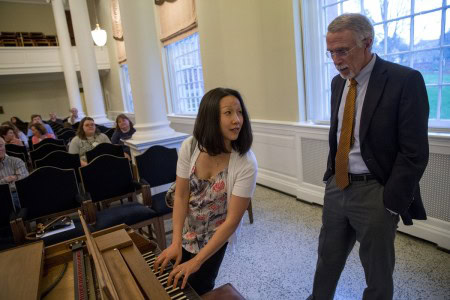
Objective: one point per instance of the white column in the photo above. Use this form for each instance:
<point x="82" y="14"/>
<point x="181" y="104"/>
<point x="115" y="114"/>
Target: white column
<point x="88" y="65"/>
<point x="145" y="69"/>
<point x="65" y="52"/>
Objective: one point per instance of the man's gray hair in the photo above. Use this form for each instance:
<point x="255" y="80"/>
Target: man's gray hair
<point x="359" y="24"/>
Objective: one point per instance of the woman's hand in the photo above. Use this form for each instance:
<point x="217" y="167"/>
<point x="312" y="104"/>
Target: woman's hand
<point x="173" y="252"/>
<point x="184" y="270"/>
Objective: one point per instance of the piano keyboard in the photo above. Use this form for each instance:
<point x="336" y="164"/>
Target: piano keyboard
<point x="176" y="293"/>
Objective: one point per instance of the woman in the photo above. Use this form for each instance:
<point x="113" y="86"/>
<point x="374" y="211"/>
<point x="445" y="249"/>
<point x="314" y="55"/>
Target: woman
<point x="213" y="189"/>
<point x="7" y="133"/>
<point x="124" y="131"/>
<point x="87" y="138"/>
<point x="23" y="126"/>
<point x="40" y="133"/>
<point x="18" y="133"/>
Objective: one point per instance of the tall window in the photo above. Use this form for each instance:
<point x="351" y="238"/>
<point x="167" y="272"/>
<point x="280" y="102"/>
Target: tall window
<point x="414" y="33"/>
<point x="185" y="74"/>
<point x="126" y="87"/>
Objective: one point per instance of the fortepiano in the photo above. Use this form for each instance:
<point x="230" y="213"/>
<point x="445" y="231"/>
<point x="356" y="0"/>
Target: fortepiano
<point x="110" y="264"/>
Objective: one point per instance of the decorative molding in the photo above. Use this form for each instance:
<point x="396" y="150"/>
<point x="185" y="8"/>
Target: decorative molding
<point x="32" y="60"/>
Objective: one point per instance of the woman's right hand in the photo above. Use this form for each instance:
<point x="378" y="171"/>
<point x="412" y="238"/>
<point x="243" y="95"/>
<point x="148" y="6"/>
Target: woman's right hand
<point x="173" y="252"/>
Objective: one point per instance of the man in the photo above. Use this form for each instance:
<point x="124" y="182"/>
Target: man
<point x="73" y="118"/>
<point x="54" y="119"/>
<point x="38" y="119"/>
<point x="11" y="170"/>
<point x="378" y="152"/>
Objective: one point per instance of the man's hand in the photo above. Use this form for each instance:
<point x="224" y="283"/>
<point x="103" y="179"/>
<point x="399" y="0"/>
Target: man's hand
<point x="11" y="178"/>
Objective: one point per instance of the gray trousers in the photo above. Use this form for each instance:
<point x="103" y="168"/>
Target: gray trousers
<point x="356" y="214"/>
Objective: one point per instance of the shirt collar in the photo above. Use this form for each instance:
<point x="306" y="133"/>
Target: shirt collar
<point x="363" y="77"/>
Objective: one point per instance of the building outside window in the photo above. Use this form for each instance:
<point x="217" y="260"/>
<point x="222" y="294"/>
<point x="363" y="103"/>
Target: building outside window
<point x="414" y="33"/>
<point x="185" y="74"/>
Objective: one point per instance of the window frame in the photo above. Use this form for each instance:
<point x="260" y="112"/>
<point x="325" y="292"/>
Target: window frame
<point x="318" y="84"/>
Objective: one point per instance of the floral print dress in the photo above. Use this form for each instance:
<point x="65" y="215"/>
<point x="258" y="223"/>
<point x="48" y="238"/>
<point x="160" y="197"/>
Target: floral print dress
<point x="207" y="210"/>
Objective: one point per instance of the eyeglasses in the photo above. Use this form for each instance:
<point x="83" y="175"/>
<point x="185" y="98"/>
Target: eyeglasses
<point x="339" y="53"/>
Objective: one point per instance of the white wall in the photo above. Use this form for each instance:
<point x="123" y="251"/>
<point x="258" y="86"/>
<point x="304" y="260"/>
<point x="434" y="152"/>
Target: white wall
<point x="23" y="95"/>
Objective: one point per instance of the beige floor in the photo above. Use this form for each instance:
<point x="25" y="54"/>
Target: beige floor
<point x="276" y="257"/>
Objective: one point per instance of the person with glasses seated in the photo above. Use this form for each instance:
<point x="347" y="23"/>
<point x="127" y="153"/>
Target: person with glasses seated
<point x="87" y="138"/>
<point x="378" y="143"/>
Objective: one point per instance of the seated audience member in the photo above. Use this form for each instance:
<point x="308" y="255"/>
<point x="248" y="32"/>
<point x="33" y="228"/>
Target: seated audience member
<point x="38" y="119"/>
<point x="73" y="117"/>
<point x="19" y="124"/>
<point x="87" y="138"/>
<point x="40" y="133"/>
<point x="8" y="135"/>
<point x="54" y="119"/>
<point x="11" y="170"/>
<point x="19" y="134"/>
<point x="124" y="131"/>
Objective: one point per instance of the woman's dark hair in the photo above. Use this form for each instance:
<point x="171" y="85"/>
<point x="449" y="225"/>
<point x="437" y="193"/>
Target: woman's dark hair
<point x="80" y="131"/>
<point x="39" y="127"/>
<point x="21" y="125"/>
<point x="13" y="127"/>
<point x="18" y="120"/>
<point x="207" y="124"/>
<point x="123" y="117"/>
<point x="4" y="130"/>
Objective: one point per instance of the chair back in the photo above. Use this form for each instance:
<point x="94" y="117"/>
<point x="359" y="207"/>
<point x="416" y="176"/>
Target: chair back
<point x="104" y="148"/>
<point x="62" y="130"/>
<point x="76" y="125"/>
<point x="158" y="165"/>
<point x="18" y="155"/>
<point x="107" y="177"/>
<point x="17" y="149"/>
<point x="102" y="128"/>
<point x="67" y="136"/>
<point x="109" y="133"/>
<point x="43" y="150"/>
<point x="7" y="206"/>
<point x="48" y="191"/>
<point x="62" y="160"/>
<point x="48" y="141"/>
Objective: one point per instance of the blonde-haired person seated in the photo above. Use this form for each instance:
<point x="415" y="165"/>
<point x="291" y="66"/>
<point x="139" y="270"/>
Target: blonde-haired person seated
<point x="40" y="133"/>
<point x="87" y="138"/>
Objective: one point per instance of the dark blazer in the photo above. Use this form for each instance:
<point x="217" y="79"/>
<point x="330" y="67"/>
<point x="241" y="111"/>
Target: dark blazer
<point x="393" y="134"/>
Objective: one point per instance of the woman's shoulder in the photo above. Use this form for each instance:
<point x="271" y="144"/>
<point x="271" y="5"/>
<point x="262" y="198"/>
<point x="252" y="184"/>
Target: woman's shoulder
<point x="247" y="160"/>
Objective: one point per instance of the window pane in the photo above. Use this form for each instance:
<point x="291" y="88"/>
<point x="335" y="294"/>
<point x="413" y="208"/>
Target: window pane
<point x="378" y="44"/>
<point x="352" y="6"/>
<point x="331" y="71"/>
<point x="433" y="93"/>
<point x="373" y="9"/>
<point x="402" y="59"/>
<point x="330" y="14"/>
<point x="447" y="27"/>
<point x="423" y="5"/>
<point x="398" y="33"/>
<point x="427" y="62"/>
<point x="398" y="8"/>
<point x="445" y="105"/>
<point x="329" y="2"/>
<point x="446" y="66"/>
<point x="427" y="30"/>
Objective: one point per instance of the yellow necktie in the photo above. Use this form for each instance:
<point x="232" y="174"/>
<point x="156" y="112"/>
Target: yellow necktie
<point x="346" y="138"/>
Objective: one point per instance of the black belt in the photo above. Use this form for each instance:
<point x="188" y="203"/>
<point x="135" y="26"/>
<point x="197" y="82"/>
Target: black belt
<point x="360" y="177"/>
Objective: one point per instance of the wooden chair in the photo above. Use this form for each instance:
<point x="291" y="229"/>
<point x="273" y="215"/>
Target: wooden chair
<point x="43" y="150"/>
<point x="109" y="133"/>
<point x="62" y="160"/>
<point x="67" y="136"/>
<point x="41" y="42"/>
<point x="11" y="148"/>
<point x="9" y="43"/>
<point x="18" y="155"/>
<point x="158" y="166"/>
<point x="7" y="217"/>
<point x="48" y="141"/>
<point x="37" y="35"/>
<point x="47" y="193"/>
<point x="104" y="148"/>
<point x="62" y="130"/>
<point x="108" y="179"/>
<point x="102" y="128"/>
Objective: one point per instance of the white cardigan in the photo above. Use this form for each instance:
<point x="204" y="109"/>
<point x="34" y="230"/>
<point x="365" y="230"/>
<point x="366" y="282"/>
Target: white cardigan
<point x="241" y="179"/>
